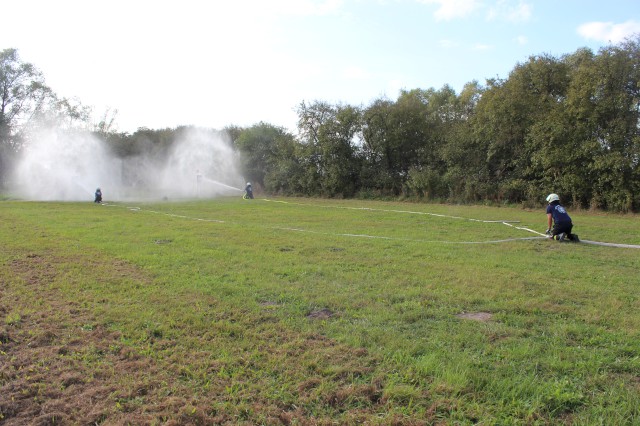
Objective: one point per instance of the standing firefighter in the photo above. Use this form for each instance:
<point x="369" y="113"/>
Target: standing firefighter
<point x="98" y="196"/>
<point x="248" y="191"/>
<point x="558" y="216"/>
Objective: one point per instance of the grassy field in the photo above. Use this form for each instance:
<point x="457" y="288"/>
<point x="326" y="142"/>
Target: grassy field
<point x="306" y="311"/>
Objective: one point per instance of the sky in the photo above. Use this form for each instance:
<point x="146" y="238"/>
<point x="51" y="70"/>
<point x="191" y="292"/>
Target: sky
<point x="162" y="64"/>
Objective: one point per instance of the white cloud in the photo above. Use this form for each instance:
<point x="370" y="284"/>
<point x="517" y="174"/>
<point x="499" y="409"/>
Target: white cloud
<point x="450" y="9"/>
<point x="608" y="31"/>
<point x="506" y="10"/>
<point x="521" y="40"/>
<point x="482" y="47"/>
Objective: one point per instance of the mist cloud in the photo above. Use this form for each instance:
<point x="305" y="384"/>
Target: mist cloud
<point x="69" y="166"/>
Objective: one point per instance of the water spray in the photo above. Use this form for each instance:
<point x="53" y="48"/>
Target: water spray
<point x="222" y="184"/>
<point x="198" y="179"/>
<point x="59" y="165"/>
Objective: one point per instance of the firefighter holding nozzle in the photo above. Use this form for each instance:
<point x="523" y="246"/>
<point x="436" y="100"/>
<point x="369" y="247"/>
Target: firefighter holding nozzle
<point x="248" y="191"/>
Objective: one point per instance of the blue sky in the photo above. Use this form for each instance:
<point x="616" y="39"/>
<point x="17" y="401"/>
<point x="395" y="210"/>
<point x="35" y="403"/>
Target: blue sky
<point x="215" y="63"/>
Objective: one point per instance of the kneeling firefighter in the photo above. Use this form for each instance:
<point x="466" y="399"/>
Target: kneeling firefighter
<point x="558" y="217"/>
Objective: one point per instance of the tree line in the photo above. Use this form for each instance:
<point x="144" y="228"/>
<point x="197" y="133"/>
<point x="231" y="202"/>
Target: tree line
<point x="567" y="124"/>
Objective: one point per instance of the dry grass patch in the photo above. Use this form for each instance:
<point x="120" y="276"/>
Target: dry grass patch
<point x="476" y="316"/>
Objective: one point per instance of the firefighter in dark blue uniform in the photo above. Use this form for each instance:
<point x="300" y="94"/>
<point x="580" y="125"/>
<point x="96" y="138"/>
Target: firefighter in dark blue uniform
<point x="248" y="191"/>
<point x="558" y="217"/>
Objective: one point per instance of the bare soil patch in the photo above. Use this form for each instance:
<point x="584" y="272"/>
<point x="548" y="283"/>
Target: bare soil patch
<point x="476" y="316"/>
<point x="54" y="369"/>
<point x="321" y="314"/>
<point x="60" y="365"/>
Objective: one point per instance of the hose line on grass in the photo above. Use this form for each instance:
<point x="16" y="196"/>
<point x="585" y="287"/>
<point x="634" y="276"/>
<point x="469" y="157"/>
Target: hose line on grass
<point x="505" y="222"/>
<point x="510" y="223"/>
<point x="595" y="243"/>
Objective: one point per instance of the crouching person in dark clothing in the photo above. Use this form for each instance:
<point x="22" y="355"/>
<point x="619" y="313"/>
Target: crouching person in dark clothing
<point x="560" y="219"/>
<point x="98" y="196"/>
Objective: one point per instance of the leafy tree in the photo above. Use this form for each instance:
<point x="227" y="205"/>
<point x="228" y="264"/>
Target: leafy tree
<point x="264" y="148"/>
<point x="107" y="123"/>
<point x="616" y="95"/>
<point x="338" y="146"/>
<point x="505" y="116"/>
<point x="23" y="94"/>
<point x="463" y="154"/>
<point x="285" y="168"/>
<point x="379" y="162"/>
<point x="310" y="119"/>
<point x="442" y="114"/>
<point x="395" y="135"/>
<point x="27" y="105"/>
<point x="327" y="133"/>
<point x="562" y="151"/>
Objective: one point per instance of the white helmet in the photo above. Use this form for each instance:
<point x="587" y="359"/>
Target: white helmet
<point x="248" y="183"/>
<point x="552" y="197"/>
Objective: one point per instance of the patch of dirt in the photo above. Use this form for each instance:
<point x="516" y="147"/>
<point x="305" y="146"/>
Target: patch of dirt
<point x="52" y="369"/>
<point x="59" y="365"/>
<point x="269" y="303"/>
<point x="476" y="316"/>
<point x="321" y="314"/>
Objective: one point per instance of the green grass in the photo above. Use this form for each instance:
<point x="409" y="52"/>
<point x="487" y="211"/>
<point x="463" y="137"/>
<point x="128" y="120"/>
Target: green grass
<point x="221" y="296"/>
